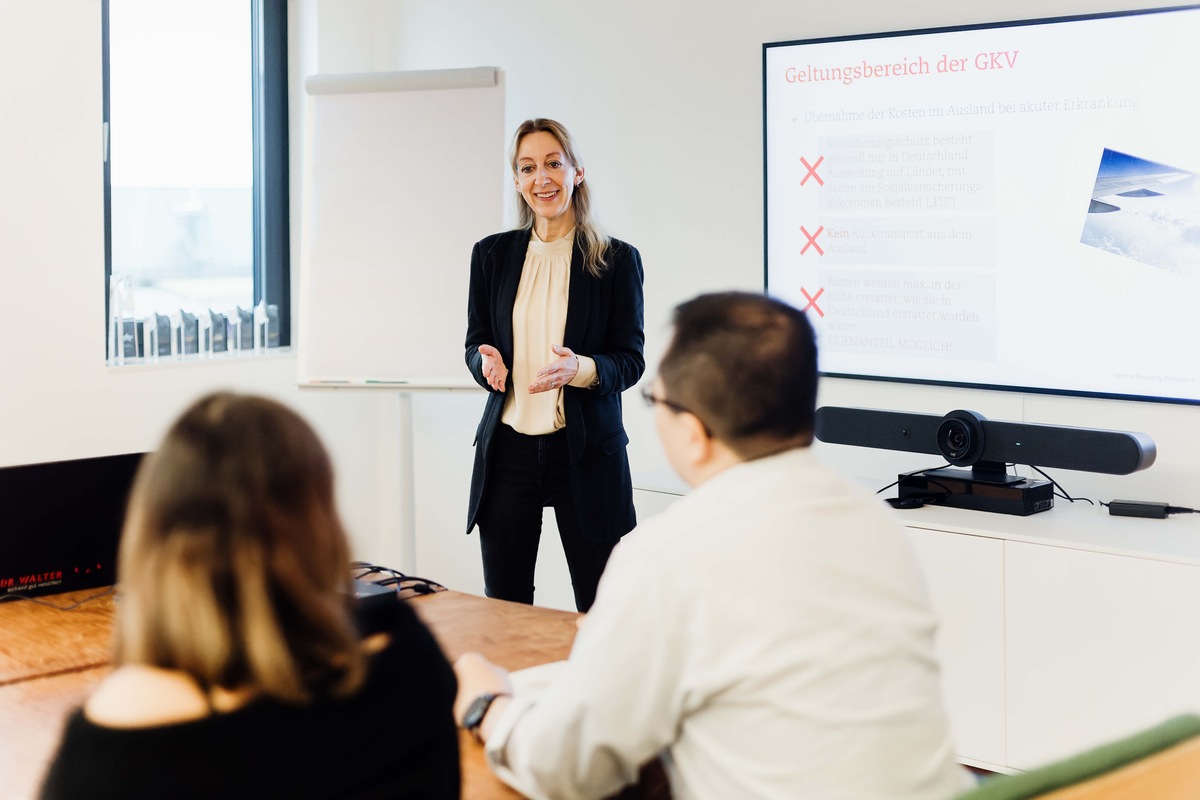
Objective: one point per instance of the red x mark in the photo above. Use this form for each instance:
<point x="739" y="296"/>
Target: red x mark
<point x="812" y="240"/>
<point x="812" y="171"/>
<point x="812" y="300"/>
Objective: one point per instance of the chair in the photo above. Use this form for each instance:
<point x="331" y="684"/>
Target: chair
<point x="1160" y="763"/>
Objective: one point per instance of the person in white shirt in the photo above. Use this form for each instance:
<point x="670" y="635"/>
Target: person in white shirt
<point x="768" y="636"/>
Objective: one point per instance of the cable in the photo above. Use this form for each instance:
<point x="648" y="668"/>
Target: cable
<point x="918" y="472"/>
<point x="396" y="578"/>
<point x="420" y="585"/>
<point x="934" y="499"/>
<point x="1054" y="483"/>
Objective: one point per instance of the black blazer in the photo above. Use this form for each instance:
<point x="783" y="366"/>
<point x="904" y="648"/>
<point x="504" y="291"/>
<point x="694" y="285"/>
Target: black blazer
<point x="604" y="322"/>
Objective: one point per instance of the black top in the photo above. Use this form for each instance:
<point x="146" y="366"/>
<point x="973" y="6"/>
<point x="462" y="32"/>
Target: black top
<point x="604" y="321"/>
<point x="395" y="738"/>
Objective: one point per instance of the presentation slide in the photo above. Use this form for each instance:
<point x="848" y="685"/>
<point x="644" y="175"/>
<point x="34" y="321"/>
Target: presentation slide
<point x="1012" y="205"/>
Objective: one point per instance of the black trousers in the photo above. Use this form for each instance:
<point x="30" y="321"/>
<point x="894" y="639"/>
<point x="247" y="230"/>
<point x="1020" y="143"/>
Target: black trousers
<point x="526" y="475"/>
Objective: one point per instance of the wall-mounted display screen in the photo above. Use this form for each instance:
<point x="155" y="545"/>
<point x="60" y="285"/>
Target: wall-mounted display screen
<point x="1012" y="205"/>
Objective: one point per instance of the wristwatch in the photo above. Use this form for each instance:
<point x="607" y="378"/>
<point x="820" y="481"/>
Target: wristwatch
<point x="478" y="709"/>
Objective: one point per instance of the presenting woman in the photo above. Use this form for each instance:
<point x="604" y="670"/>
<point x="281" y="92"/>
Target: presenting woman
<point x="241" y="670"/>
<point x="554" y="332"/>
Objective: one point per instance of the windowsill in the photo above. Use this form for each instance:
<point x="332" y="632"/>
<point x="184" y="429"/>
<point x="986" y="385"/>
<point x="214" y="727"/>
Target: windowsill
<point x="196" y="359"/>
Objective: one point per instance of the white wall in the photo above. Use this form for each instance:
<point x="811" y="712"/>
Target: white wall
<point x="59" y="400"/>
<point x="665" y="99"/>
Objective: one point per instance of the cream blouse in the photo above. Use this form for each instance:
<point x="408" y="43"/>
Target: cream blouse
<point x="539" y="320"/>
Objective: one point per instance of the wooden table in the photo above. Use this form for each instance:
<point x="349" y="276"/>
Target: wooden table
<point x="51" y="659"/>
<point x="512" y="635"/>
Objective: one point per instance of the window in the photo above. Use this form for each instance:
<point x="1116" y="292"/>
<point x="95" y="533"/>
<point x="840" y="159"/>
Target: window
<point x="195" y="176"/>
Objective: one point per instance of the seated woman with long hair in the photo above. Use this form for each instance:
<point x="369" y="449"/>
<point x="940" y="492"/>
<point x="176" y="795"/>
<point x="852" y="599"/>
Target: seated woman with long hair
<point x="240" y="670"/>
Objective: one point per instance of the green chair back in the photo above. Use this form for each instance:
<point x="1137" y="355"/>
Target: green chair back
<point x="1089" y="764"/>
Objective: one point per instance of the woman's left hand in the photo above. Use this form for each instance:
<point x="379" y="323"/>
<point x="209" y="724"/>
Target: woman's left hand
<point x="557" y="373"/>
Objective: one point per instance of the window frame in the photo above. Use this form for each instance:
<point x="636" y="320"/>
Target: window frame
<point x="271" y="189"/>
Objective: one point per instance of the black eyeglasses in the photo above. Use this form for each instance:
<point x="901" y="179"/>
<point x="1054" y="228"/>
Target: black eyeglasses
<point x="651" y="399"/>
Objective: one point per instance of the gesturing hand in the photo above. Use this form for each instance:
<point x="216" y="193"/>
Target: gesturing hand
<point x="494" y="371"/>
<point x="558" y="372"/>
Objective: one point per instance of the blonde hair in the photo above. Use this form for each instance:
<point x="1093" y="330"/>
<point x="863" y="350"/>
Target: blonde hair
<point x="233" y="564"/>
<point x="593" y="241"/>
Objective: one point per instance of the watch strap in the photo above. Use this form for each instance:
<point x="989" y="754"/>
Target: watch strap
<point x="477" y="710"/>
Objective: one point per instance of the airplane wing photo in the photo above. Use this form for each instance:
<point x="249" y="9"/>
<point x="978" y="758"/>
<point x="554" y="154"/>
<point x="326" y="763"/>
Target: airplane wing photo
<point x="1129" y="176"/>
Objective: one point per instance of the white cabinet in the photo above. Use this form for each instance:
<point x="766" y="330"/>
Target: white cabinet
<point x="1095" y="639"/>
<point x="1097" y="645"/>
<point x="965" y="578"/>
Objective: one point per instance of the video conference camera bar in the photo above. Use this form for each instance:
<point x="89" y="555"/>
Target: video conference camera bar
<point x="985" y="447"/>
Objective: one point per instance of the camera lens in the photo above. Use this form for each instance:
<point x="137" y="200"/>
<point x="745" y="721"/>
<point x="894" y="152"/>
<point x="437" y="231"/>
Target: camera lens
<point x="960" y="437"/>
<point x="954" y="439"/>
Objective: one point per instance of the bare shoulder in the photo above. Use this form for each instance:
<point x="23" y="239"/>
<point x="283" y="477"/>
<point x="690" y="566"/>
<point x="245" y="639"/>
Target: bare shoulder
<point x="137" y="696"/>
<point x="141" y="696"/>
<point x="376" y="642"/>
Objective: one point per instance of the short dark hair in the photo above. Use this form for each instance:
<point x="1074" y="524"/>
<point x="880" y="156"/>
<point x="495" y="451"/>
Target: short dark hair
<point x="746" y="365"/>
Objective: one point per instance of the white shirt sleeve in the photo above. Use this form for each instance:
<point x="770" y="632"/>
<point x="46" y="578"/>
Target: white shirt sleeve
<point x="582" y="728"/>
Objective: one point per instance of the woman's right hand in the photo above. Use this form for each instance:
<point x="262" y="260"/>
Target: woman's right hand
<point x="494" y="371"/>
